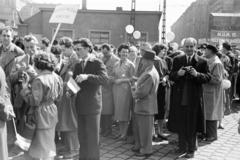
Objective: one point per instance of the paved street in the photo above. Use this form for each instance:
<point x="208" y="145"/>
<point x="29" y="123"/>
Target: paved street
<point x="227" y="147"/>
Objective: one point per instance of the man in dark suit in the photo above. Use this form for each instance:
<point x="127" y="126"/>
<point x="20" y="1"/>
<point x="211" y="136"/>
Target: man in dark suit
<point x="189" y="72"/>
<point x="90" y="74"/>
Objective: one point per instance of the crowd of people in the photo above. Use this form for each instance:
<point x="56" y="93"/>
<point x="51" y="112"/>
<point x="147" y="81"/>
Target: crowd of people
<point x="141" y="89"/>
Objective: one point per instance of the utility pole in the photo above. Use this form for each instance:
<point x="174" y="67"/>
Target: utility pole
<point x="133" y="9"/>
<point x="164" y="23"/>
<point x="132" y="19"/>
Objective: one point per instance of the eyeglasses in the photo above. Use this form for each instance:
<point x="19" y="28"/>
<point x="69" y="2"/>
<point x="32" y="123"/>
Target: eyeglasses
<point x="78" y="48"/>
<point x="189" y="46"/>
<point x="6" y="35"/>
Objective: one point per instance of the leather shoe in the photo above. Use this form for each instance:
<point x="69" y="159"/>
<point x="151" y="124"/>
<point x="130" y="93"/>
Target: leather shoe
<point x="135" y="150"/>
<point x="162" y="137"/>
<point x="211" y="139"/>
<point x="179" y="151"/>
<point x="220" y="127"/>
<point x="189" y="155"/>
<point x="143" y="154"/>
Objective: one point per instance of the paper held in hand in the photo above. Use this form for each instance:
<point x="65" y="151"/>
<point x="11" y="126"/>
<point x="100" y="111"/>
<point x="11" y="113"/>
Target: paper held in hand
<point x="73" y="86"/>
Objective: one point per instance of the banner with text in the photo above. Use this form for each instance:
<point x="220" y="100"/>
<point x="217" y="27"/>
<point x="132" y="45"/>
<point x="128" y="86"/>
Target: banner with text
<point x="230" y="36"/>
<point x="64" y="14"/>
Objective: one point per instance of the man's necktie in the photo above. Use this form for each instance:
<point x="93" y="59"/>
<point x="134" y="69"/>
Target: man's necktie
<point x="30" y="60"/>
<point x="83" y="64"/>
<point x="189" y="60"/>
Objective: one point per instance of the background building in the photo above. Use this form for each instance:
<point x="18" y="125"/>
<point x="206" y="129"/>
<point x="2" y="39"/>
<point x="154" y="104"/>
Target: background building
<point x="8" y="13"/>
<point x="201" y="18"/>
<point x="99" y="25"/>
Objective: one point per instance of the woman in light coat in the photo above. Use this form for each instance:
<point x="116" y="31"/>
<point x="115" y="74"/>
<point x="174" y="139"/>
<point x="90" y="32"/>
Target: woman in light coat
<point x="122" y="95"/>
<point x="45" y="89"/>
<point x="213" y="93"/>
<point x="3" y="126"/>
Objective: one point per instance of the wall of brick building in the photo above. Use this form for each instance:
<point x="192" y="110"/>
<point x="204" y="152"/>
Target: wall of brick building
<point x="87" y="20"/>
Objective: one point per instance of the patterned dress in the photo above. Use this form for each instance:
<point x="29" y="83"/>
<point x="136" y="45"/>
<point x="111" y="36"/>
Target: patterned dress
<point x="122" y="94"/>
<point x="46" y="89"/>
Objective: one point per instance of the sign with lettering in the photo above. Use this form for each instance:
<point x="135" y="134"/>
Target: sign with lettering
<point x="64" y="14"/>
<point x="230" y="36"/>
<point x="225" y="34"/>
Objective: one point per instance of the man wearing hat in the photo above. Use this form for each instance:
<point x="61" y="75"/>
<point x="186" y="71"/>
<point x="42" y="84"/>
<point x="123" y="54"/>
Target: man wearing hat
<point x="189" y="72"/>
<point x="213" y="93"/>
<point x="145" y="104"/>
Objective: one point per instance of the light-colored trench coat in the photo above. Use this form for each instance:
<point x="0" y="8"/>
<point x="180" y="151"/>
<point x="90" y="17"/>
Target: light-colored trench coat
<point x="107" y="92"/>
<point x="213" y="93"/>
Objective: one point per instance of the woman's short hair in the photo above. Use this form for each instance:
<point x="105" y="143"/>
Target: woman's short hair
<point x="85" y="42"/>
<point x="107" y="46"/>
<point x="45" y="41"/>
<point x="123" y="46"/>
<point x="66" y="42"/>
<point x="44" y="61"/>
<point x="19" y="42"/>
<point x="56" y="50"/>
<point x="159" y="47"/>
<point x="30" y="38"/>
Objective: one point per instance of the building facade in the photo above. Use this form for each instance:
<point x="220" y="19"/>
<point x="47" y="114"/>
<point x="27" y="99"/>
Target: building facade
<point x="198" y="19"/>
<point x="101" y="26"/>
<point x="8" y="14"/>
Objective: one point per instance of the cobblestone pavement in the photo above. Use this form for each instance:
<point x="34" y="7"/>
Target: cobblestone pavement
<point x="227" y="147"/>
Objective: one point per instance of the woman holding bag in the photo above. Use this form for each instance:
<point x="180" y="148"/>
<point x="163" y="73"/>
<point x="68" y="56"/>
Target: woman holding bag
<point x="41" y="93"/>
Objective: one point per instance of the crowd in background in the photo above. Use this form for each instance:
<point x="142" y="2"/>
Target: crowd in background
<point x="143" y="89"/>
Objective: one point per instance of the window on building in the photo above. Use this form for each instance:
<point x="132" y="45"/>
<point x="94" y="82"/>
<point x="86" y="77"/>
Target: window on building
<point x="64" y="33"/>
<point x="99" y="37"/>
<point x="236" y="6"/>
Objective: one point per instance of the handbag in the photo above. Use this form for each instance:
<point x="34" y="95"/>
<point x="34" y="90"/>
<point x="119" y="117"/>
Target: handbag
<point x="226" y="84"/>
<point x="24" y="139"/>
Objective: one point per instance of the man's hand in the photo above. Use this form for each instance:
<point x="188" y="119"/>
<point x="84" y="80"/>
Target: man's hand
<point x="81" y="77"/>
<point x="69" y="94"/>
<point x="193" y="72"/>
<point x="181" y="72"/>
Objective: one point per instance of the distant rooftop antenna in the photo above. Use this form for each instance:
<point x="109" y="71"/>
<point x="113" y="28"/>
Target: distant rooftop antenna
<point x="164" y="23"/>
<point x="133" y="9"/>
<point x="132" y="18"/>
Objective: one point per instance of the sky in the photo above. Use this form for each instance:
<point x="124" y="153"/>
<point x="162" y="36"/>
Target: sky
<point x="174" y="7"/>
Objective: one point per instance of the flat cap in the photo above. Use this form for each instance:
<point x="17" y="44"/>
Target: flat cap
<point x="212" y="48"/>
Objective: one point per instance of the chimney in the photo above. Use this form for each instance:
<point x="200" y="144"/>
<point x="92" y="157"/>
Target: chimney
<point x="84" y="4"/>
<point x="119" y="9"/>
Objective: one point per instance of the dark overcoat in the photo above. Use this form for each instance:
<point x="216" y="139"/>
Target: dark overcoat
<point x="89" y="98"/>
<point x="195" y="116"/>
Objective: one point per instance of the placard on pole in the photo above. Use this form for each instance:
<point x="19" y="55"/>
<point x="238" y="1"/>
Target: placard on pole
<point x="63" y="14"/>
